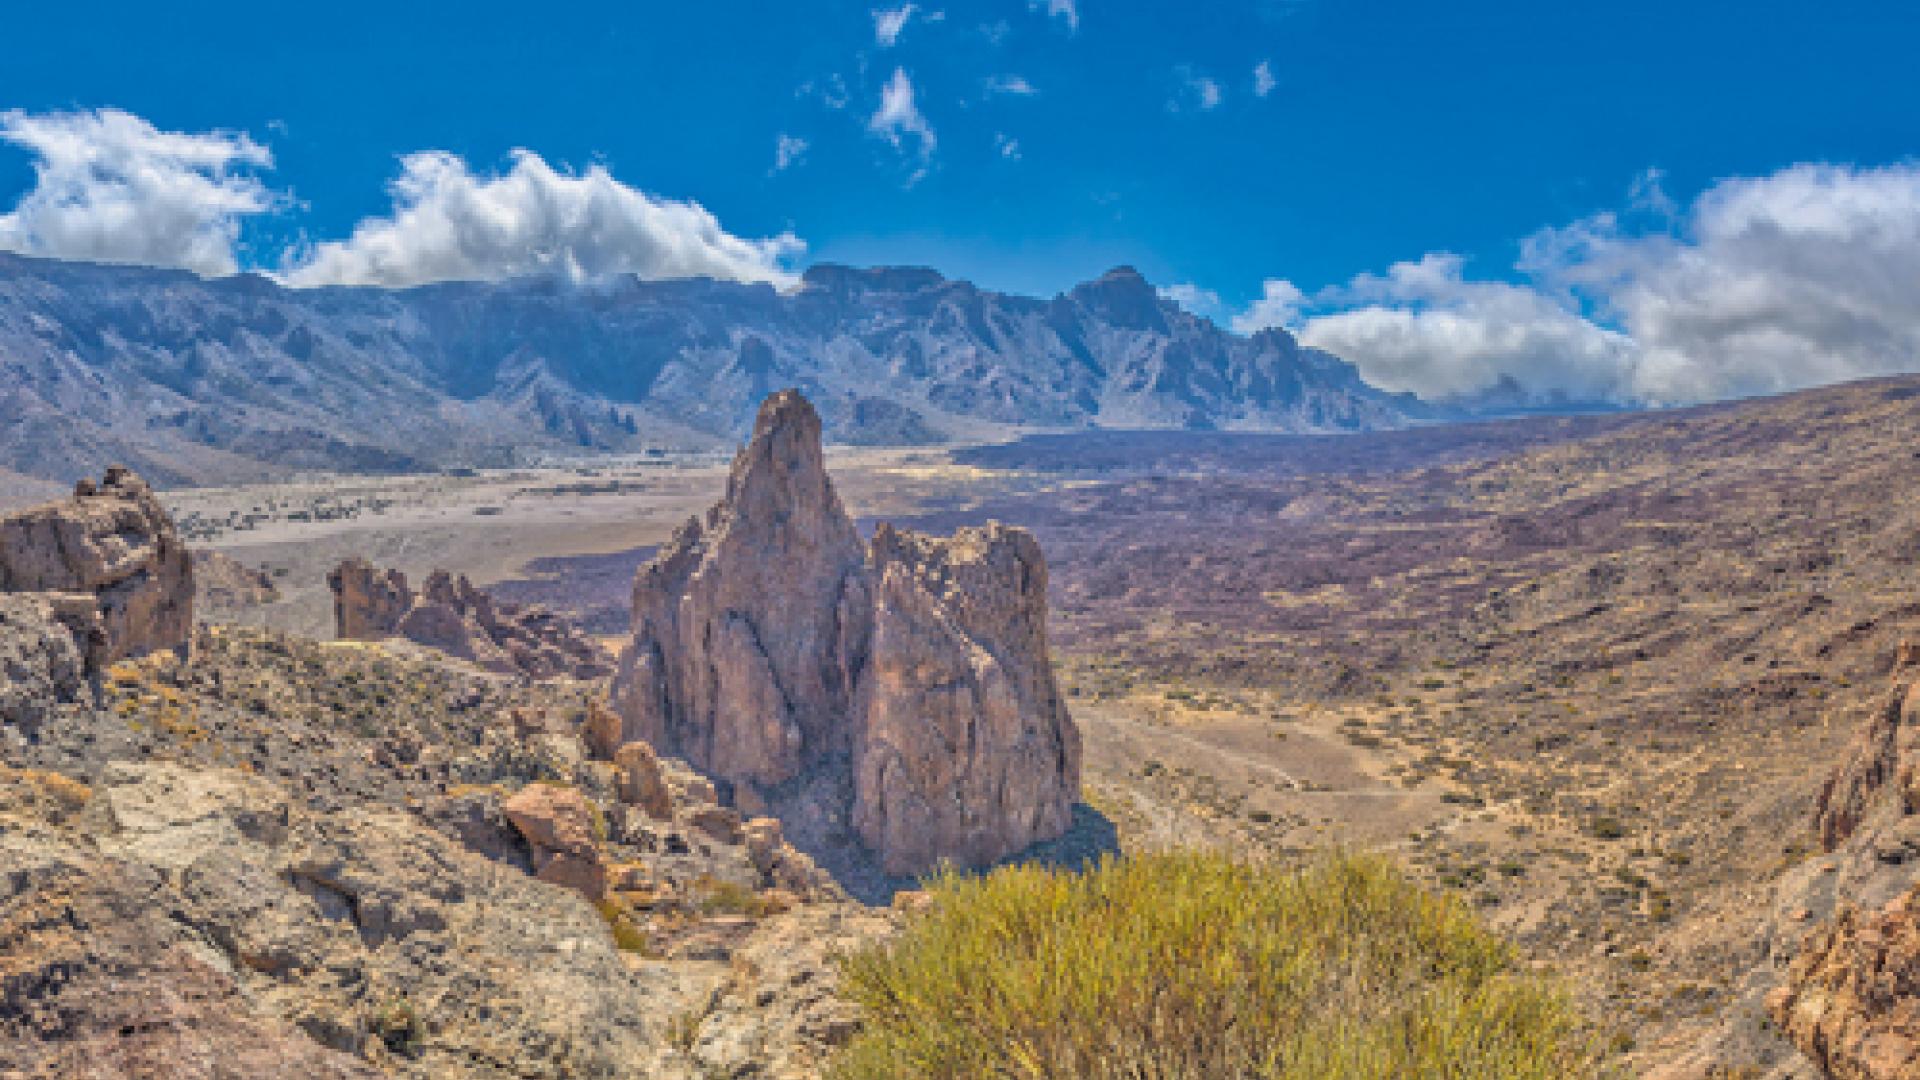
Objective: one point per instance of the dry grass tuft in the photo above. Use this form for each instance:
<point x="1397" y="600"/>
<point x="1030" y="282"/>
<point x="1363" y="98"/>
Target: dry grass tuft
<point x="1192" y="966"/>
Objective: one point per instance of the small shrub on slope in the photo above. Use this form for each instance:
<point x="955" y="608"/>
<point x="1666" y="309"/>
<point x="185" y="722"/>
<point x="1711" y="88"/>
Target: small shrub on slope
<point x="1191" y="966"/>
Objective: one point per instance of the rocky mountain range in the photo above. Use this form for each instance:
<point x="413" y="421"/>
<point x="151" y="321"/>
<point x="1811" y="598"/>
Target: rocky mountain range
<point x="203" y="380"/>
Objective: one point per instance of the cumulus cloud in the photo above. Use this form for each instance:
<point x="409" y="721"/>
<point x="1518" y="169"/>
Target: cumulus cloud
<point x="889" y="22"/>
<point x="1279" y="306"/>
<point x="1761" y="285"/>
<point x="1067" y="11"/>
<point x="1263" y="80"/>
<point x="899" y="118"/>
<point x="449" y="223"/>
<point x="1425" y="328"/>
<point x="1808" y="276"/>
<point x="110" y="187"/>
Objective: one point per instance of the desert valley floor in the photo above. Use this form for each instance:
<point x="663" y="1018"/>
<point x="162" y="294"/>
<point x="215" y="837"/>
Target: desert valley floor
<point x="1592" y="672"/>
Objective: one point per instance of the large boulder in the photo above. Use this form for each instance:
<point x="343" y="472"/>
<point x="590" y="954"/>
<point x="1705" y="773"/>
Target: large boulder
<point x="195" y="922"/>
<point x="559" y="825"/>
<point x="113" y="545"/>
<point x="907" y="683"/>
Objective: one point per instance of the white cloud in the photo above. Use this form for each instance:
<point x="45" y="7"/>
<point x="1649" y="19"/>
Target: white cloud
<point x="1065" y="10"/>
<point x="110" y="187"/>
<point x="898" y="117"/>
<point x="1196" y="90"/>
<point x="1279" y="305"/>
<point x="1425" y="329"/>
<point x="1200" y="301"/>
<point x="1800" y="278"/>
<point x="449" y="224"/>
<point x="889" y="22"/>
<point x="787" y="151"/>
<point x="1011" y="85"/>
<point x="1263" y="80"/>
<point x="1008" y="146"/>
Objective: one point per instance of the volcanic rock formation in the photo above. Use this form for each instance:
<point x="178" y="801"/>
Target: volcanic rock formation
<point x="110" y="564"/>
<point x="901" y="690"/>
<point x="1850" y="995"/>
<point x="450" y="615"/>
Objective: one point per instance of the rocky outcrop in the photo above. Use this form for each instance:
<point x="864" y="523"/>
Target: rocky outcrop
<point x="963" y="746"/>
<point x="112" y="563"/>
<point x="43" y="662"/>
<point x="451" y="615"/>
<point x="1852" y="997"/>
<point x="1881" y="761"/>
<point x="899" y="690"/>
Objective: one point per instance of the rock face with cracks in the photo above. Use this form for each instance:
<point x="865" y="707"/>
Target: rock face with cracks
<point x="111" y="563"/>
<point x="900" y="690"/>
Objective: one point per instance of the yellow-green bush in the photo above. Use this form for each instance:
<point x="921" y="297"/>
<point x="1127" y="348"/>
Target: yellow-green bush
<point x="1191" y="966"/>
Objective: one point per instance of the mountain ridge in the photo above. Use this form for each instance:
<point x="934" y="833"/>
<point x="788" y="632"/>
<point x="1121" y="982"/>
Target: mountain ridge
<point x="223" y="379"/>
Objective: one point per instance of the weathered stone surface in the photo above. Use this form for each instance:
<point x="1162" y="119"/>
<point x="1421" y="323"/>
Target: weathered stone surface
<point x="195" y="922"/>
<point x="1880" y="763"/>
<point x="964" y="747"/>
<point x="1852" y="997"/>
<point x="226" y="584"/>
<point x="113" y="544"/>
<point x="640" y="781"/>
<point x="558" y="823"/>
<point x="900" y="690"/>
<point x="738" y="657"/>
<point x="43" y="663"/>
<point x="449" y="614"/>
<point x="354" y="895"/>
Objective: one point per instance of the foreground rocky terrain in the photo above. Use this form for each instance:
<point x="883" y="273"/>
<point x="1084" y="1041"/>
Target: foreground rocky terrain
<point x="238" y="378"/>
<point x="229" y="853"/>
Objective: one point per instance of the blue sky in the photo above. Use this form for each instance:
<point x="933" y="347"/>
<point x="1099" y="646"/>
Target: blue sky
<point x="1390" y="132"/>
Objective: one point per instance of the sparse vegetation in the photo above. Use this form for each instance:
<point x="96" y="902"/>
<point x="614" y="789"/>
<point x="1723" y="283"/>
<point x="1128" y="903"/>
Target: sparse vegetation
<point x="1192" y="965"/>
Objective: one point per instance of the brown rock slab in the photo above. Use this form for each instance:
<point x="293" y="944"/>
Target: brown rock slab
<point x="558" y="824"/>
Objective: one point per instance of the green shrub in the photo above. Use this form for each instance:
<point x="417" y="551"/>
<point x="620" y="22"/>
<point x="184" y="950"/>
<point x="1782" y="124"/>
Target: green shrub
<point x="1191" y="966"/>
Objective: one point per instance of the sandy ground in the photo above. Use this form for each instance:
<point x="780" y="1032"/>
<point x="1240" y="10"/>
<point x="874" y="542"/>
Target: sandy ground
<point x="1180" y="778"/>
